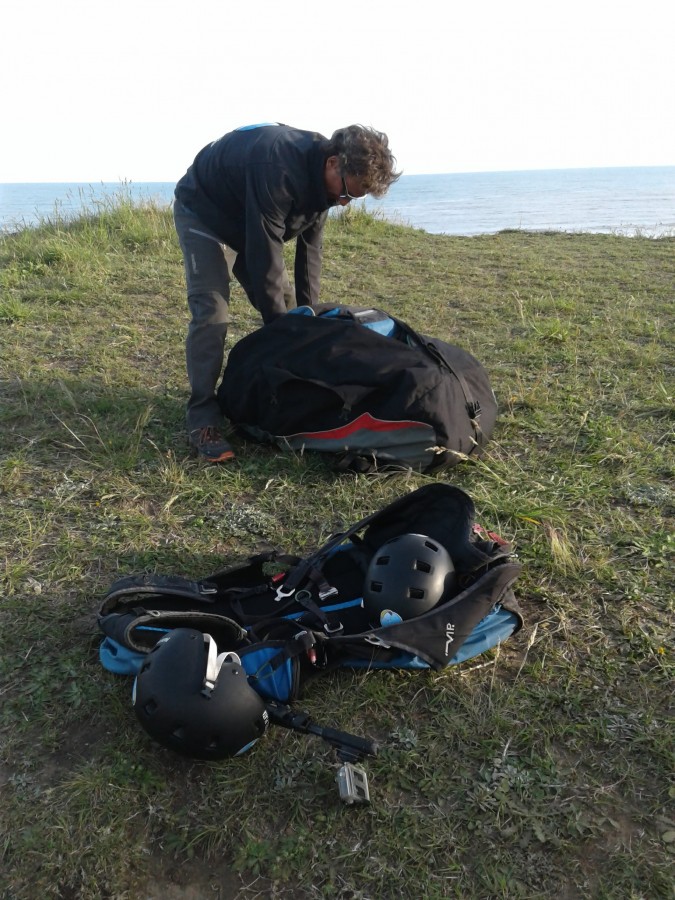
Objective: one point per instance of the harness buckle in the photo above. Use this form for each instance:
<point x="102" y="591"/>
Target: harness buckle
<point x="377" y="641"/>
<point x="207" y="587"/>
<point x="282" y="594"/>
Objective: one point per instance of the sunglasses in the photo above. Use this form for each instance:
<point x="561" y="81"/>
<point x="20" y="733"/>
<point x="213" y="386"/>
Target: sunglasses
<point x="345" y="195"/>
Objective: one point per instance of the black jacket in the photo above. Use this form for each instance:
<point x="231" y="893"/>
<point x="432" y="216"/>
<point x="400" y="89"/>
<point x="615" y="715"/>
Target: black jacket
<point x="257" y="188"/>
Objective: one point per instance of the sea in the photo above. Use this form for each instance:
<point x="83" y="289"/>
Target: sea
<point x="626" y="201"/>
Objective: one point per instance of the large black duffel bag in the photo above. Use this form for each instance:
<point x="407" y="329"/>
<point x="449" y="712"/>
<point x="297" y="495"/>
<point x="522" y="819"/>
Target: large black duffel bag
<point x="361" y="385"/>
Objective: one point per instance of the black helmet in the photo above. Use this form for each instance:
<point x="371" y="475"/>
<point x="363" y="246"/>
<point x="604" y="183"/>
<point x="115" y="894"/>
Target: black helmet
<point x="195" y="701"/>
<point x="408" y="575"/>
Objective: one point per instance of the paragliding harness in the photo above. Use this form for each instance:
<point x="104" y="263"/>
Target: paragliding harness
<point x="290" y="618"/>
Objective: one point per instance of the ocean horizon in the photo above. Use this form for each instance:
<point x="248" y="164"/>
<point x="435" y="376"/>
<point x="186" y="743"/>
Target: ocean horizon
<point x="629" y="201"/>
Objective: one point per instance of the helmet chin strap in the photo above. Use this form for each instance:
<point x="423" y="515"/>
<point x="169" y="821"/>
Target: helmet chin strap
<point x="214" y="663"/>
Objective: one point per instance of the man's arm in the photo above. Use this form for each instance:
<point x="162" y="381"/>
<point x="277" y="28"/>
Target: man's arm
<point x="308" y="261"/>
<point x="266" y="210"/>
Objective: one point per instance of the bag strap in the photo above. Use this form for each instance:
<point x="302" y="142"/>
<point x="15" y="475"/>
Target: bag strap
<point x="472" y="405"/>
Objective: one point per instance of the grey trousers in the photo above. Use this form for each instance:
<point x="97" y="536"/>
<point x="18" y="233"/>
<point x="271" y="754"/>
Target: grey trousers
<point x="210" y="265"/>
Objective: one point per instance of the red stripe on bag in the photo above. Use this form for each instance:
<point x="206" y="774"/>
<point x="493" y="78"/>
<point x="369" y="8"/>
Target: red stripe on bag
<point x="365" y="422"/>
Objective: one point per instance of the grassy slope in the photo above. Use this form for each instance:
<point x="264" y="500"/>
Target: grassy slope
<point x="543" y="773"/>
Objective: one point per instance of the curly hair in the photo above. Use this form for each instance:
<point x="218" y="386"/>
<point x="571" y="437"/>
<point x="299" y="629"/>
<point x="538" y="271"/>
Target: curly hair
<point x="364" y="153"/>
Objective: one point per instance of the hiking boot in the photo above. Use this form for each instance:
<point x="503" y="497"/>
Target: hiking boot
<point x="210" y="445"/>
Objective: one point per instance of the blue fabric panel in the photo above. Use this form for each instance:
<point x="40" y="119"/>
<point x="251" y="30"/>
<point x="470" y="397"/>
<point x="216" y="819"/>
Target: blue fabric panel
<point x="385" y="326"/>
<point x="346" y="605"/>
<point x="496" y="627"/>
<point x="116" y="658"/>
<point x="271" y="684"/>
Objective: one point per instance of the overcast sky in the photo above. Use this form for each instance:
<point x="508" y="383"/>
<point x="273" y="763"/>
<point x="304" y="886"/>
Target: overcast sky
<point x="109" y="90"/>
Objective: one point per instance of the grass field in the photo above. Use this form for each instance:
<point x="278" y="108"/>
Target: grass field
<point x="542" y="769"/>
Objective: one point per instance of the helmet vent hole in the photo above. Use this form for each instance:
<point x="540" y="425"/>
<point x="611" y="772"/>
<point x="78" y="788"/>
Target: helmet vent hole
<point x="382" y="560"/>
<point x="376" y="587"/>
<point x="179" y="733"/>
<point x="431" y="546"/>
<point x="422" y="566"/>
<point x="150" y="708"/>
<point x="416" y="594"/>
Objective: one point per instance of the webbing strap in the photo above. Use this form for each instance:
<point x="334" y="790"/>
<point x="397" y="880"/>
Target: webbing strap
<point x="472" y="405"/>
<point x="301" y="643"/>
<point x="214" y="662"/>
<point x="329" y="624"/>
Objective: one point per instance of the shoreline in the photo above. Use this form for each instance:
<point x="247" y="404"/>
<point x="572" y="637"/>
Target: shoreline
<point x="625" y="201"/>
